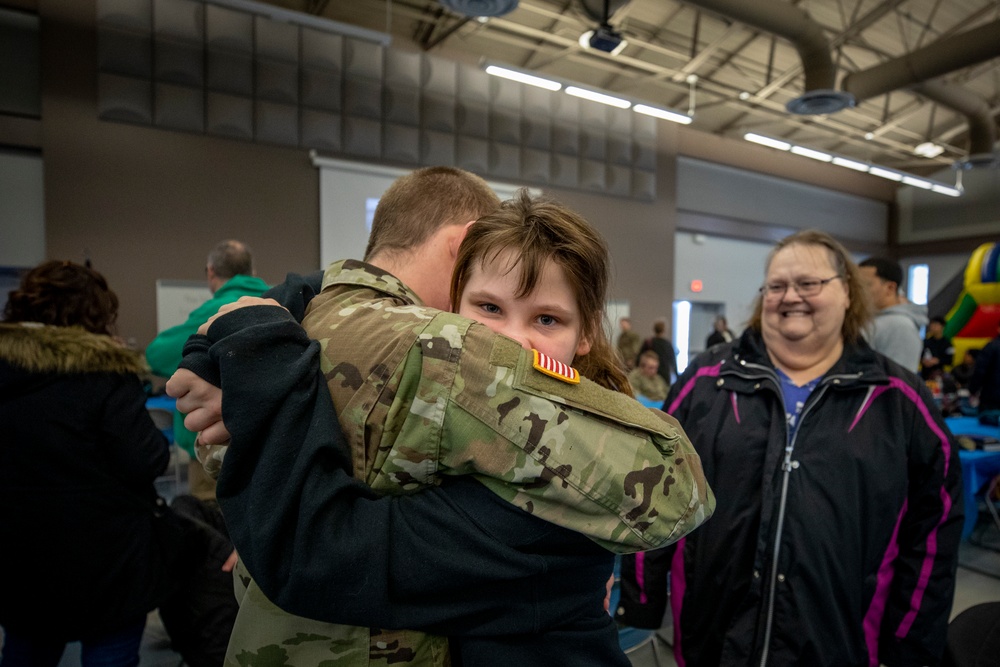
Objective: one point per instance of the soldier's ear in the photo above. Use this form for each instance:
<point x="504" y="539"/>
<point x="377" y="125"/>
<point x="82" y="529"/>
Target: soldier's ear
<point x="457" y="236"/>
<point x="583" y="347"/>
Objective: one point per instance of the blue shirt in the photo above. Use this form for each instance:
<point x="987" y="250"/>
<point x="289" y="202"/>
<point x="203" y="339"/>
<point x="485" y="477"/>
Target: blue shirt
<point x="795" y="398"/>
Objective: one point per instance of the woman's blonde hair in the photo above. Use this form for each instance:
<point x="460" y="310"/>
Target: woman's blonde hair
<point x="858" y="312"/>
<point x="538" y="230"/>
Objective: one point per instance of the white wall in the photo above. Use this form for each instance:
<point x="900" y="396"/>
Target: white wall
<point x="22" y="210"/>
<point x="731" y="271"/>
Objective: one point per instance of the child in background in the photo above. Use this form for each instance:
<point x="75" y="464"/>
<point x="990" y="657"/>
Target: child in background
<point x="647" y="383"/>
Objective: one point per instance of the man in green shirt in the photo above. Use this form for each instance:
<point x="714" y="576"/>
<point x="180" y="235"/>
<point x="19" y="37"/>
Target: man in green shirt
<point x="230" y="275"/>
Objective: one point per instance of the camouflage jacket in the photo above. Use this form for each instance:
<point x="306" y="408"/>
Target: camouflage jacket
<point x="421" y="393"/>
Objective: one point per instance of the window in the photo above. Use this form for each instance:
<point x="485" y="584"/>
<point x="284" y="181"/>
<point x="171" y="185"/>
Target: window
<point x="917" y="279"/>
<point x="682" y="333"/>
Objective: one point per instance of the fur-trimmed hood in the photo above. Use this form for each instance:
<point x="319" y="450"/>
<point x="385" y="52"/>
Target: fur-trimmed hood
<point x="38" y="348"/>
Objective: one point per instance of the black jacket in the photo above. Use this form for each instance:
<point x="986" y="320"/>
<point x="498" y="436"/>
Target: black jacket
<point x="854" y="532"/>
<point x="985" y="379"/>
<point x="77" y="462"/>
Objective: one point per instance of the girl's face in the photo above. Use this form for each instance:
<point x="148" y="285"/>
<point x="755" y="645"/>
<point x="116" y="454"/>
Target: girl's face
<point x="547" y="320"/>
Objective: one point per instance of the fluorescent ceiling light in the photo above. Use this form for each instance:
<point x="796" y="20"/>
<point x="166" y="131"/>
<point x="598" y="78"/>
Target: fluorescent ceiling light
<point x="928" y="149"/>
<point x="917" y="182"/>
<point x="850" y="164"/>
<point x="810" y="153"/>
<point x="594" y="96"/>
<point x="945" y="190"/>
<point x="521" y="77"/>
<point x="767" y="141"/>
<point x="662" y="113"/>
<point x="885" y="173"/>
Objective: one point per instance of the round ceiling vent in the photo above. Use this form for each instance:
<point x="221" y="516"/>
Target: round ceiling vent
<point x="480" y="7"/>
<point x="816" y="102"/>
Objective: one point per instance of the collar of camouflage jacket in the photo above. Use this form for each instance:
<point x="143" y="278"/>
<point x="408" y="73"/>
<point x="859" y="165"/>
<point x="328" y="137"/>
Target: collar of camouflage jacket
<point x="355" y="273"/>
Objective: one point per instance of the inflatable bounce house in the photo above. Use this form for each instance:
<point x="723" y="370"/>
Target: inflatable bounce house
<point x="973" y="321"/>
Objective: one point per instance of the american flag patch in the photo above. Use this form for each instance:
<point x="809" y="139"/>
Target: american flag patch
<point x="556" y="369"/>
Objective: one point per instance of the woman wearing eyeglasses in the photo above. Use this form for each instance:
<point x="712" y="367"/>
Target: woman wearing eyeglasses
<point x="835" y="537"/>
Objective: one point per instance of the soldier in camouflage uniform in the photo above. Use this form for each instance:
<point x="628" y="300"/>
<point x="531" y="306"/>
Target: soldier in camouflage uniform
<point x="432" y="393"/>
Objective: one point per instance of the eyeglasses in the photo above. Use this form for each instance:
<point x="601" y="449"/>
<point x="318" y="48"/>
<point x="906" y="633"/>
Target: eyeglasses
<point x="804" y="288"/>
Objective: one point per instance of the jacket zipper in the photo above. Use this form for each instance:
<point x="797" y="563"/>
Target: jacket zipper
<point x="787" y="466"/>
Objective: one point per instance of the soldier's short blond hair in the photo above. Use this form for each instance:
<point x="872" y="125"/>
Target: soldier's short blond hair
<point x="418" y="204"/>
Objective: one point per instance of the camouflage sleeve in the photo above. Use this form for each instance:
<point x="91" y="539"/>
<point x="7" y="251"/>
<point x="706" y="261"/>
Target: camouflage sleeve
<point x="580" y="456"/>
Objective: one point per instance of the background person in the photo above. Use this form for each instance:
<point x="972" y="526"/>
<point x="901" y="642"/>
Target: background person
<point x="938" y="352"/>
<point x="664" y="349"/>
<point x="82" y="557"/>
<point x="646" y="380"/>
<point x="230" y="275"/>
<point x="721" y="333"/>
<point x="628" y="343"/>
<point x="985" y="380"/>
<point x="962" y="373"/>
<point x="200" y="617"/>
<point x="835" y="539"/>
<point x="895" y="331"/>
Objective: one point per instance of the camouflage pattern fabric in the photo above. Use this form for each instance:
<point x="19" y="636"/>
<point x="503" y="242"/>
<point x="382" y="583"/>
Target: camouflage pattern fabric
<point x="266" y="636"/>
<point x="421" y="393"/>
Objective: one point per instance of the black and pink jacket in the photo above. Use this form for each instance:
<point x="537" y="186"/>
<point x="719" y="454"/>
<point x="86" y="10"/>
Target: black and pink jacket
<point x="836" y="547"/>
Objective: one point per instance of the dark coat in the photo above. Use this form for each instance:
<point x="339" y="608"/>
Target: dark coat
<point x="986" y="376"/>
<point x="866" y="510"/>
<point x="77" y="462"/>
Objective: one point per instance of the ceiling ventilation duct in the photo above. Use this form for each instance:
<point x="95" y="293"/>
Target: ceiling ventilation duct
<point x="982" y="129"/>
<point x="943" y="56"/>
<point x="784" y="20"/>
<point x="480" y="7"/>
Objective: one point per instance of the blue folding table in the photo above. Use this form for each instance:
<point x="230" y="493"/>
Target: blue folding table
<point x="978" y="467"/>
